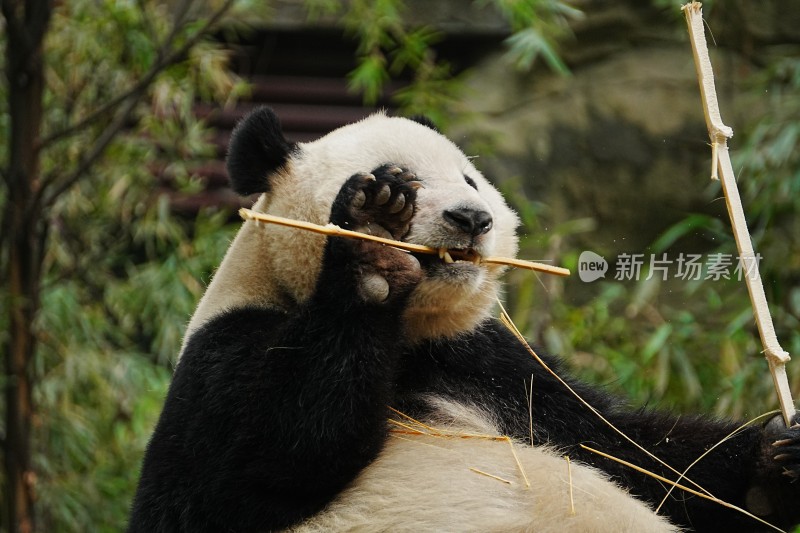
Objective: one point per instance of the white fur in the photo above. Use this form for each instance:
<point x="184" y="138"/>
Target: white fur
<point x="425" y="483"/>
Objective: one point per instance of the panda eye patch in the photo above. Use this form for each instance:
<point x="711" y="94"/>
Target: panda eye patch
<point x="471" y="182"/>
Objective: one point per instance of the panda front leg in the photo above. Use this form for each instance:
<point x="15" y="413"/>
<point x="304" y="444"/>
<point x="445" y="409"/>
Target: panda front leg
<point x="754" y="468"/>
<point x="757" y="469"/>
<point x="352" y="338"/>
<point x="774" y="491"/>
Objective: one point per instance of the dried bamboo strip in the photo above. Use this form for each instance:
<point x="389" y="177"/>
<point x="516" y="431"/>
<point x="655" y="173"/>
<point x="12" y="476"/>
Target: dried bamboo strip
<point x="720" y="133"/>
<point x="336" y="231"/>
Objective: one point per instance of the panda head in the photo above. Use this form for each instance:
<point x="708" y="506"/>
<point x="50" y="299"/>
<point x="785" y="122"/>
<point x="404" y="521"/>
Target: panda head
<point x="456" y="209"/>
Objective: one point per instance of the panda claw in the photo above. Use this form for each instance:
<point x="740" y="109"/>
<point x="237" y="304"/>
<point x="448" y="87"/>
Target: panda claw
<point x="368" y="176"/>
<point x="394" y="170"/>
<point x="407" y="176"/>
<point x="416" y="185"/>
<point x="383" y="195"/>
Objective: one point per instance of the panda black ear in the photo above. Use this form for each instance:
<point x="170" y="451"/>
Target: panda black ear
<point x="425" y="121"/>
<point x="257" y="149"/>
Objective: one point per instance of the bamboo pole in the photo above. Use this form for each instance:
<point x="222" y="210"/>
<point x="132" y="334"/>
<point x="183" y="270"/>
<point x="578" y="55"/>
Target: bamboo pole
<point x="722" y="169"/>
<point x="336" y="231"/>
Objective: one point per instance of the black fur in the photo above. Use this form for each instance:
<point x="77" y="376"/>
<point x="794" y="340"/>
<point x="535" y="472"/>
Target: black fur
<point x="425" y="121"/>
<point x="257" y="149"/>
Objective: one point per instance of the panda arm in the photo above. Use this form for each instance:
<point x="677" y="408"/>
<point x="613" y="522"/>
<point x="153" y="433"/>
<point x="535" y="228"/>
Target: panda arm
<point x="272" y="415"/>
<point x="490" y="369"/>
<point x="269" y="414"/>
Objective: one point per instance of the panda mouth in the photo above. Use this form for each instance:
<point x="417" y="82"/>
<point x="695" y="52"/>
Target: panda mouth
<point x="459" y="255"/>
<point x="454" y="264"/>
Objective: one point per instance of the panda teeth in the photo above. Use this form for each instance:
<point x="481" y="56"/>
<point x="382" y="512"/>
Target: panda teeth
<point x="464" y="256"/>
<point x="445" y="256"/>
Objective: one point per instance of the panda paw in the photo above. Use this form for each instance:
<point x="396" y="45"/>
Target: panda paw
<point x="783" y="446"/>
<point x="776" y="488"/>
<point x="379" y="203"/>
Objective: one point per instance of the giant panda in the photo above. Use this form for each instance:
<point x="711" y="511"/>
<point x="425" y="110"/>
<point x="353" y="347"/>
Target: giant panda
<point x="304" y="346"/>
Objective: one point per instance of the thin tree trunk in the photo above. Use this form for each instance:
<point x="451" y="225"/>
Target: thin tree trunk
<point x="24" y="235"/>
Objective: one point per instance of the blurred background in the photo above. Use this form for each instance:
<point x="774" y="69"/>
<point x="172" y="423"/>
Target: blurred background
<point x="115" y="116"/>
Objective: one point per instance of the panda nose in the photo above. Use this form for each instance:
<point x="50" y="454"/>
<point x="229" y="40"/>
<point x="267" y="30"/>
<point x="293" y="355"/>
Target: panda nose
<point x="471" y="221"/>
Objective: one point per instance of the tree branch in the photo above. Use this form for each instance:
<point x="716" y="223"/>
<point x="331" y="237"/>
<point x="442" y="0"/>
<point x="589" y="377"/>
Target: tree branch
<point x="181" y="11"/>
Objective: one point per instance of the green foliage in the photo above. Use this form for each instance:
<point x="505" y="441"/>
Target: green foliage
<point x="537" y="25"/>
<point x="105" y="325"/>
<point x="100" y="412"/>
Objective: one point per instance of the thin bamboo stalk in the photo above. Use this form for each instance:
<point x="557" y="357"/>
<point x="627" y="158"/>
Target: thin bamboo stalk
<point x="336" y="231"/>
